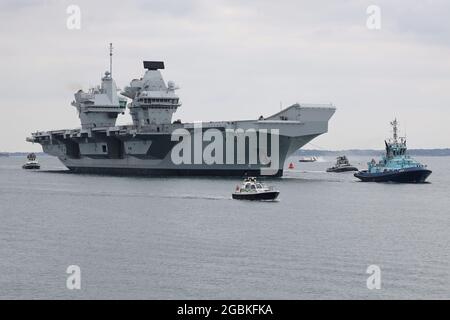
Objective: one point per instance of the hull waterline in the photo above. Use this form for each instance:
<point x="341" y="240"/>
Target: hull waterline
<point x="172" y="172"/>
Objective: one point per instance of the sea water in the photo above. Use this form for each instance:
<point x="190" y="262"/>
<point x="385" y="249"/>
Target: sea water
<point x="185" y="238"/>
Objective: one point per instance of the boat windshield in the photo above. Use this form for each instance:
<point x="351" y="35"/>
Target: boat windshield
<point x="250" y="184"/>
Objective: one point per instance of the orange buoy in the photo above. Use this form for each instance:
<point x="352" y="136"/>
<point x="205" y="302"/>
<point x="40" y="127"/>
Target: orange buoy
<point x="291" y="166"/>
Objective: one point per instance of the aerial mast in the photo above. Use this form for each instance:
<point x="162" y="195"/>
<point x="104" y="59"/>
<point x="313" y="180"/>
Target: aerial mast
<point x="394" y="126"/>
<point x="110" y="59"/>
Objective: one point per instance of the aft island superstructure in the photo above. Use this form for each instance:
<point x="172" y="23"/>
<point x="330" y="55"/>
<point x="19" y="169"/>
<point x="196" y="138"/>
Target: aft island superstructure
<point x="154" y="144"/>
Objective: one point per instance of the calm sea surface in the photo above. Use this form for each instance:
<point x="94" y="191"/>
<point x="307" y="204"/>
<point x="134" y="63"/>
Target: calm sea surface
<point x="184" y="238"/>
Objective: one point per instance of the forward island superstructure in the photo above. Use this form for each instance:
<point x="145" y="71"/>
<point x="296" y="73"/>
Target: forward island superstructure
<point x="154" y="144"/>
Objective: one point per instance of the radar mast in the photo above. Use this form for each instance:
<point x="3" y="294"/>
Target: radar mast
<point x="110" y="59"/>
<point x="394" y="127"/>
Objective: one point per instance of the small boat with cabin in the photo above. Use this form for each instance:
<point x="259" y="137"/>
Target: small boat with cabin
<point x="32" y="163"/>
<point x="251" y="189"/>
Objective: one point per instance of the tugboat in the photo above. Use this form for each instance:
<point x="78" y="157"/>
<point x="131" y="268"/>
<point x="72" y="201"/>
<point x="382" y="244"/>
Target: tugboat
<point x="342" y="165"/>
<point x="251" y="189"/>
<point x="32" y="162"/>
<point x="395" y="166"/>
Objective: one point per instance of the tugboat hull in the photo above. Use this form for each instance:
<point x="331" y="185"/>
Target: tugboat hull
<point x="269" y="195"/>
<point x="31" y="166"/>
<point x="307" y="160"/>
<point x="410" y="175"/>
<point x="342" y="169"/>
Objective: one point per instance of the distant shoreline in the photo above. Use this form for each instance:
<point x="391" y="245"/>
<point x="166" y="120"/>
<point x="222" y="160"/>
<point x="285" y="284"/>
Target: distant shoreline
<point x="372" y="152"/>
<point x="311" y="152"/>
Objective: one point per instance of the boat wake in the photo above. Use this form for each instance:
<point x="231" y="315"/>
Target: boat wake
<point x="202" y="197"/>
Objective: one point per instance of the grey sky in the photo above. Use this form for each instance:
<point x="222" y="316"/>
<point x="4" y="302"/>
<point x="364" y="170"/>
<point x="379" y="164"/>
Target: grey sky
<point x="236" y="60"/>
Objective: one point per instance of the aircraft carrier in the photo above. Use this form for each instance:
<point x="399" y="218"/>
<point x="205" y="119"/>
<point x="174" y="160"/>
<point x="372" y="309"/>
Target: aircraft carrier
<point x="154" y="144"/>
